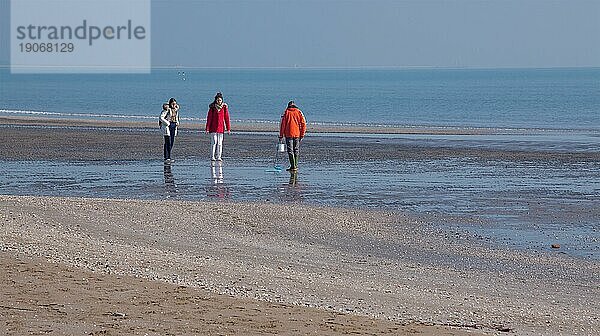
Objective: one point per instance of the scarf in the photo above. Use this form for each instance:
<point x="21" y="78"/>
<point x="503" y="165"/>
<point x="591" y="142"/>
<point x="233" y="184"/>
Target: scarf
<point x="173" y="115"/>
<point x="218" y="107"/>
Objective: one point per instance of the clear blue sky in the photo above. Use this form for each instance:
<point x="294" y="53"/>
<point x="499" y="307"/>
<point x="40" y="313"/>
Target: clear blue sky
<point x="354" y="33"/>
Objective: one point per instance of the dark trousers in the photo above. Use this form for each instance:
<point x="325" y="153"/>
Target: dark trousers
<point x="293" y="145"/>
<point x="293" y="148"/>
<point x="169" y="141"/>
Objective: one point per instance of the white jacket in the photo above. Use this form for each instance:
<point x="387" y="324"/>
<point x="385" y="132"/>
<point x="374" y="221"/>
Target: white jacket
<point x="164" y="118"/>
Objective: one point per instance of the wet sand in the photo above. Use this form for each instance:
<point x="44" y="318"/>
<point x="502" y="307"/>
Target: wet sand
<point x="61" y="139"/>
<point x="254" y="268"/>
<point x="50" y="298"/>
<point x="255" y="126"/>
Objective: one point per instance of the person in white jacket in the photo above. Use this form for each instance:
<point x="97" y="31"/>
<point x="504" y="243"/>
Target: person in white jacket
<point x="169" y="119"/>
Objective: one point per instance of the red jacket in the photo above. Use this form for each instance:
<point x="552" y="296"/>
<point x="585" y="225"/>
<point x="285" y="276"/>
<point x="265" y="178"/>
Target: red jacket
<point x="217" y="121"/>
<point x="293" y="124"/>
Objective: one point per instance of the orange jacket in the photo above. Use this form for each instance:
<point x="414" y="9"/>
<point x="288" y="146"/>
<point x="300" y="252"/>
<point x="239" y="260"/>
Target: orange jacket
<point x="293" y="124"/>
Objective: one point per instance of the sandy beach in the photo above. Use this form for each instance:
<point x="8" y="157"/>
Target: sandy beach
<point x="100" y="266"/>
<point x="49" y="298"/>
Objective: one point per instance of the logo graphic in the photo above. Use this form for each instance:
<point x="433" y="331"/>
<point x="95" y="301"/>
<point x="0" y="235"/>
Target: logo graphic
<point x="80" y="36"/>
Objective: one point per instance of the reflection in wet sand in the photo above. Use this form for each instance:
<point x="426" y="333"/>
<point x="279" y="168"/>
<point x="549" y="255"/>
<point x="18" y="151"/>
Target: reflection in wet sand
<point x="216" y="168"/>
<point x="218" y="189"/>
<point x="170" y="186"/>
<point x="293" y="190"/>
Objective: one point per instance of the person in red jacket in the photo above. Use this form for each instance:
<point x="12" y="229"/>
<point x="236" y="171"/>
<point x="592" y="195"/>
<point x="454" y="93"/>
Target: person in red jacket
<point x="217" y="122"/>
<point x="293" y="128"/>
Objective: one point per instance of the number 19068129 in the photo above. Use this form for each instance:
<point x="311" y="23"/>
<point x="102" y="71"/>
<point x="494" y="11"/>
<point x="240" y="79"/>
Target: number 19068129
<point x="47" y="47"/>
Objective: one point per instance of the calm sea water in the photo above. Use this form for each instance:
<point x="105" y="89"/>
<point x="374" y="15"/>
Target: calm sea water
<point x="496" y="98"/>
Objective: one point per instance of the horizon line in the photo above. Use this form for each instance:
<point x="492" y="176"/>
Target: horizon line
<point x="367" y="67"/>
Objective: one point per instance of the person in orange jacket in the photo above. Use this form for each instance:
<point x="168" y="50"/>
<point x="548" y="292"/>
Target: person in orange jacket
<point x="293" y="128"/>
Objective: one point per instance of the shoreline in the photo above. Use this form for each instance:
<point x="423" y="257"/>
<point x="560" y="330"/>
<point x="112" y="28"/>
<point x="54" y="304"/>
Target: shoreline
<point x="46" y="139"/>
<point x="368" y="263"/>
<point x="316" y="128"/>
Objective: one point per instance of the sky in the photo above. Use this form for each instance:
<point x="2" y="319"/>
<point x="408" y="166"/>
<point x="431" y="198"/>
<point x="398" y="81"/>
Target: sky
<point x="369" y="33"/>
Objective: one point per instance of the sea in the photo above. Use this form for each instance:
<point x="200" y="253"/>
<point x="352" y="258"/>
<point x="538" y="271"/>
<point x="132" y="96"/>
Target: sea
<point x="522" y="204"/>
<point x="494" y="98"/>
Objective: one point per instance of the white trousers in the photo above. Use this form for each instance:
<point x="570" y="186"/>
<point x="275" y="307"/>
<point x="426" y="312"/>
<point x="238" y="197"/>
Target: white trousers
<point x="216" y="146"/>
